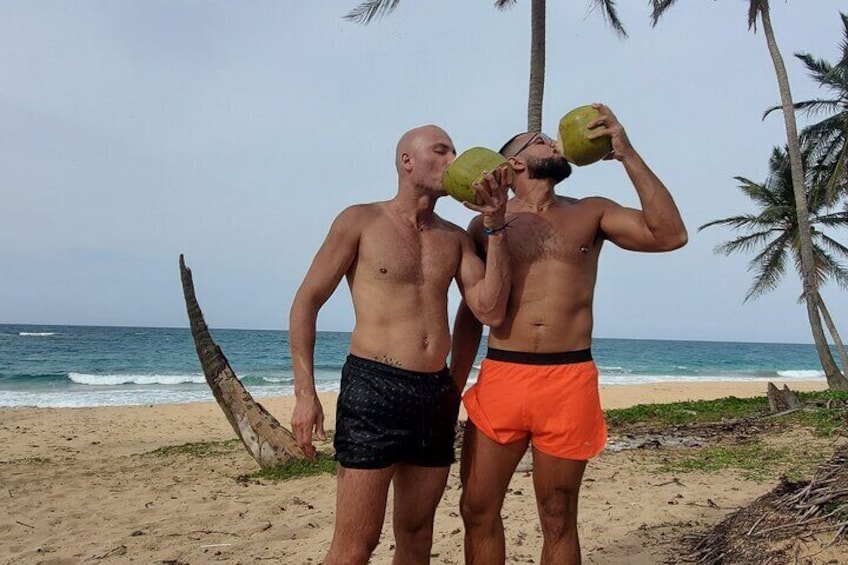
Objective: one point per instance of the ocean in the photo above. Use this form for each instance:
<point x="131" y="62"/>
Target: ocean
<point x="64" y="366"/>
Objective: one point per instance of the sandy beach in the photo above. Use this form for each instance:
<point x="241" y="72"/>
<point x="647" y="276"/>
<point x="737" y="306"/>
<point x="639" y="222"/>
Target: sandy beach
<point x="81" y="485"/>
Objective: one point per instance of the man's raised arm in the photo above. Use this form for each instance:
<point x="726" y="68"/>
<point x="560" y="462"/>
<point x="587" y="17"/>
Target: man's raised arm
<point x="485" y="286"/>
<point x="658" y="225"/>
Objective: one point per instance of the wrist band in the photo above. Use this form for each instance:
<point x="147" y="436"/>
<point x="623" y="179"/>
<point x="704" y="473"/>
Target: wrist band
<point x="493" y="231"/>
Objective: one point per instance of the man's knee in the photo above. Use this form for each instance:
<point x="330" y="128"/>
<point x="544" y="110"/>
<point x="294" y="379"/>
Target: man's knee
<point x="478" y="510"/>
<point x="418" y="536"/>
<point x="558" y="515"/>
<point x="352" y="552"/>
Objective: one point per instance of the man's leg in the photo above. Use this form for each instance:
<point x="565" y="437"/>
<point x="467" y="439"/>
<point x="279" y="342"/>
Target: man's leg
<point x="557" y="483"/>
<point x="360" y="509"/>
<point x="486" y="470"/>
<point x="418" y="491"/>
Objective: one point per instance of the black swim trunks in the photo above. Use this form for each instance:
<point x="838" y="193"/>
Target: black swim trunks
<point x="387" y="415"/>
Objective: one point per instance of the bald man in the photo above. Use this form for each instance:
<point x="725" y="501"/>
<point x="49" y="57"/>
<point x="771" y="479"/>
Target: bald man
<point x="398" y="404"/>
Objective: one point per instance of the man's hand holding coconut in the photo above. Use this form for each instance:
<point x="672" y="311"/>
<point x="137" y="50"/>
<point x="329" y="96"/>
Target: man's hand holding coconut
<point x="538" y="384"/>
<point x="397" y="408"/>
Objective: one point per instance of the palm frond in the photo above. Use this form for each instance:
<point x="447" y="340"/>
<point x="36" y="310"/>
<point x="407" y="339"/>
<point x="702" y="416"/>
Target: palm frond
<point x="748" y="221"/>
<point x="837" y="182"/>
<point x="754" y="7"/>
<point x="610" y="15"/>
<point x="505" y="4"/>
<point x="833" y="246"/>
<point x="819" y="70"/>
<point x="821" y="265"/>
<point x="845" y="32"/>
<point x="759" y="193"/>
<point x="746" y="243"/>
<point x="658" y="8"/>
<point x="370" y="10"/>
<point x="833" y="269"/>
<point x="809" y="107"/>
<point x="832" y="220"/>
<point x="824" y="127"/>
<point x="770" y="265"/>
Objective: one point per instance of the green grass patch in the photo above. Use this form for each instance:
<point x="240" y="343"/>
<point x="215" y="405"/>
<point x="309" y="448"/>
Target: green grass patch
<point x="826" y="422"/>
<point x="689" y="412"/>
<point x="197" y="449"/>
<point x="298" y="468"/>
<point x="824" y="396"/>
<point x="757" y="461"/>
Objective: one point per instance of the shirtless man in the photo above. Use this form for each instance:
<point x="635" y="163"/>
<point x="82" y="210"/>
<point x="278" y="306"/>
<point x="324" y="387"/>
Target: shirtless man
<point x="538" y="382"/>
<point x="398" y="404"/>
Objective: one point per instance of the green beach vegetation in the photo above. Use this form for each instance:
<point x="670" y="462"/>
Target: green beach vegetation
<point x="823" y="416"/>
<point x="740" y="434"/>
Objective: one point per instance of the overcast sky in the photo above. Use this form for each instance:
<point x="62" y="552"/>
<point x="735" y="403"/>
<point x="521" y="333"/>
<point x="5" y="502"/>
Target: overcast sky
<point x="234" y="132"/>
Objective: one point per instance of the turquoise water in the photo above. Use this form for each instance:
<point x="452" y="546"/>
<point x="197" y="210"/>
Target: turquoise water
<point x="96" y="366"/>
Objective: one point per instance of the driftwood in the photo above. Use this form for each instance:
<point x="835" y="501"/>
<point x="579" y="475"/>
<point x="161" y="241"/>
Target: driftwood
<point x="267" y="441"/>
<point x="782" y="400"/>
<point x="768" y="529"/>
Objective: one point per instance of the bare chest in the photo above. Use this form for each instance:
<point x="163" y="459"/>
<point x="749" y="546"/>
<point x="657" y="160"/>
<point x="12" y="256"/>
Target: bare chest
<point x="408" y="256"/>
<point x="558" y="236"/>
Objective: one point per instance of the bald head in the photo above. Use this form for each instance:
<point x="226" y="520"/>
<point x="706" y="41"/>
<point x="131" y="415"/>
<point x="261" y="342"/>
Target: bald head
<point x="418" y="139"/>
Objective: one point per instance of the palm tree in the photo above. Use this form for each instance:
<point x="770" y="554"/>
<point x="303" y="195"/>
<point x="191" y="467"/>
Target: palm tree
<point x="774" y="234"/>
<point x="759" y="10"/>
<point x="268" y="442"/>
<point x="369" y="10"/>
<point x="828" y="138"/>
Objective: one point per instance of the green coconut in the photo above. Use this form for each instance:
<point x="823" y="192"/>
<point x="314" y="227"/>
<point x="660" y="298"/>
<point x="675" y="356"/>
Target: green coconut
<point x="576" y="146"/>
<point x="465" y="170"/>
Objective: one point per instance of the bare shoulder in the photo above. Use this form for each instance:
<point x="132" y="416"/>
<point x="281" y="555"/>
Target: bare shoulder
<point x="448" y="226"/>
<point x="361" y="211"/>
<point x="593" y="202"/>
<point x="354" y="218"/>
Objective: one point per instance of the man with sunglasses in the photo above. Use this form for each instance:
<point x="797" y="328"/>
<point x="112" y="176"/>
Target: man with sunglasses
<point x="398" y="404"/>
<point x="538" y="384"/>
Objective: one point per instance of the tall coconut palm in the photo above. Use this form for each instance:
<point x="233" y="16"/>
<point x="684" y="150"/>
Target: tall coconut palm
<point x="828" y="138"/>
<point x="773" y="234"/>
<point x="758" y="10"/>
<point x="369" y="10"/>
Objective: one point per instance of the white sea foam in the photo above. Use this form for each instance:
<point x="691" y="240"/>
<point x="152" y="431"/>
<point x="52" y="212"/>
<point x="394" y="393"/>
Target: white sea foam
<point x="801" y="374"/>
<point x="614" y="379"/>
<point x="130" y="396"/>
<point x="121" y="379"/>
<point x="614" y="370"/>
<point x="36" y="334"/>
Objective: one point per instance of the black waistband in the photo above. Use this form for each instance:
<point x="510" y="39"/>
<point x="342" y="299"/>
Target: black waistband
<point x="382" y="369"/>
<point x="563" y="358"/>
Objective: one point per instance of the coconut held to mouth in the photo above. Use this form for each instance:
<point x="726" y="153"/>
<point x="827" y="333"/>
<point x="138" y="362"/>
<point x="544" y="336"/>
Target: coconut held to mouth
<point x="459" y="178"/>
<point x="573" y="141"/>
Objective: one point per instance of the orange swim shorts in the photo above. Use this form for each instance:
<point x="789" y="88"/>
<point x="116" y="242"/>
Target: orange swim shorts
<point x="551" y="397"/>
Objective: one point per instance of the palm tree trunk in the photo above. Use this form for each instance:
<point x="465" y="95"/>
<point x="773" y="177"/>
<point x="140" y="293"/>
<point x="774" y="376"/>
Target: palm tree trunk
<point x="831" y="327"/>
<point x="269" y="443"/>
<point x="537" y="66"/>
<point x="835" y="379"/>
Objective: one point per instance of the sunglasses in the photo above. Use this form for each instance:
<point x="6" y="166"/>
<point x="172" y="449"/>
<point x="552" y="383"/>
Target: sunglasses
<point x="538" y="138"/>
